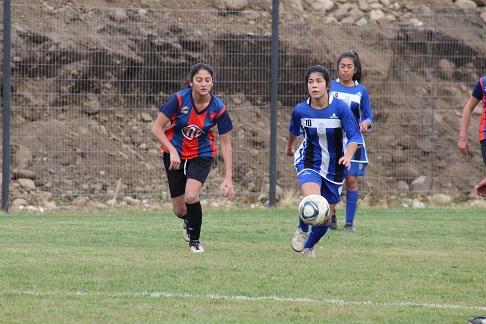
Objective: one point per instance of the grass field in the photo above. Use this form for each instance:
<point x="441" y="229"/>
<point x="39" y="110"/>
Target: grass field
<point x="402" y="266"/>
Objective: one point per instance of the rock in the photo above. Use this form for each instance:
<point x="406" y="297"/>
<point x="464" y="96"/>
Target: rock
<point x="446" y="69"/>
<point x="119" y="15"/>
<point x="26" y="184"/>
<point x="19" y="202"/>
<point x="321" y="5"/>
<point x="483" y="16"/>
<point x="232" y="4"/>
<point x="23" y="173"/>
<point x="376" y="14"/>
<point x="420" y="184"/>
<point x="80" y="201"/>
<point x="466" y="4"/>
<point x="146" y="117"/>
<point x="131" y="201"/>
<point x="403" y="186"/>
<point x="440" y="199"/>
<point x="22" y="157"/>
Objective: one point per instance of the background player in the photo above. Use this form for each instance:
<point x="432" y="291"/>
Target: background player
<point x="478" y="94"/>
<point x="189" y="148"/>
<point x="348" y="88"/>
<point x="320" y="159"/>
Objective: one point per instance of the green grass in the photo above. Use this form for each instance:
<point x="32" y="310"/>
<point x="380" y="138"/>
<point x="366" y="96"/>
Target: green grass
<point x="403" y="266"/>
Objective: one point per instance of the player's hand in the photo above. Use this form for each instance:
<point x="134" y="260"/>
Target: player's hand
<point x="228" y="189"/>
<point x="363" y="126"/>
<point x="290" y="151"/>
<point x="463" y="146"/>
<point x="481" y="188"/>
<point x="345" y="161"/>
<point x="175" y="161"/>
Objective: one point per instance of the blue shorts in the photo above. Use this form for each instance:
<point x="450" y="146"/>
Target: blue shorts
<point x="356" y="169"/>
<point x="330" y="191"/>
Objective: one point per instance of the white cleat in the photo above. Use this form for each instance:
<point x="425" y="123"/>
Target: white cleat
<point x="298" y="240"/>
<point x="185" y="234"/>
<point x="309" y="252"/>
<point x="196" y="247"/>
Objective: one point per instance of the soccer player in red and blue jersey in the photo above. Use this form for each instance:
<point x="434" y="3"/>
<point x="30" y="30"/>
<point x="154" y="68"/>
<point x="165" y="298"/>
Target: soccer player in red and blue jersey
<point x="189" y="147"/>
<point x="478" y="94"/>
<point x="348" y="88"/>
<point x="321" y="159"/>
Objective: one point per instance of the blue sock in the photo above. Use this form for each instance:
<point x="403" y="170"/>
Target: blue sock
<point x="317" y="232"/>
<point x="351" y="205"/>
<point x="303" y="226"/>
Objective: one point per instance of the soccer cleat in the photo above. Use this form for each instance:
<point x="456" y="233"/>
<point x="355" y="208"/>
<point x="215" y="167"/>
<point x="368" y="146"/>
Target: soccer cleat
<point x="298" y="240"/>
<point x="185" y="234"/>
<point x="477" y="320"/>
<point x="308" y="252"/>
<point x="196" y="247"/>
<point x="333" y="224"/>
<point x="349" y="228"/>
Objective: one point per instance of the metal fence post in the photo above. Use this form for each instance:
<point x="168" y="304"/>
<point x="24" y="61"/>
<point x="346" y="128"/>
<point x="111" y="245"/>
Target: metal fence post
<point x="273" y="103"/>
<point x="7" y="75"/>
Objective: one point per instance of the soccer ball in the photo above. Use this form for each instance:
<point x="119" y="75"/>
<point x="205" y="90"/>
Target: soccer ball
<point x="314" y="210"/>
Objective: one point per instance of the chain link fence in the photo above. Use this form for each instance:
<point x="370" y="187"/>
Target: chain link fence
<point x="88" y="81"/>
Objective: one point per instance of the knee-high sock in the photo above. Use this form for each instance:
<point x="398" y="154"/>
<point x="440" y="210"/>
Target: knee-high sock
<point x="193" y="220"/>
<point x="317" y="232"/>
<point x="351" y="205"/>
<point x="303" y="226"/>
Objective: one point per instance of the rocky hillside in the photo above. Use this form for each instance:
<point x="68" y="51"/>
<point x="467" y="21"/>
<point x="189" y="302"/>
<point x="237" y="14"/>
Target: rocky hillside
<point x="88" y="79"/>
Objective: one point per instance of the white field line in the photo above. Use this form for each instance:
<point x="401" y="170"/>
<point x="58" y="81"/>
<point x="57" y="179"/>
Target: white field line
<point x="162" y="294"/>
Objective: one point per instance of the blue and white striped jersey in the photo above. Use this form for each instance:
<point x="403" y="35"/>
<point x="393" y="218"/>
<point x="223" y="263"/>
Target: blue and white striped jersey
<point x="357" y="99"/>
<point x="323" y="131"/>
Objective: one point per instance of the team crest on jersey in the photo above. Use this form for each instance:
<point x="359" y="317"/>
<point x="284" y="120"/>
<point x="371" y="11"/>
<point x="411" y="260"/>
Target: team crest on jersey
<point x="185" y="110"/>
<point x="191" y="132"/>
<point x="333" y="116"/>
<point x="212" y="115"/>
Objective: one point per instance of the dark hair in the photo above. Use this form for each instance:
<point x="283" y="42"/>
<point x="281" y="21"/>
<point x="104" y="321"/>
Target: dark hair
<point x="195" y="69"/>
<point x="319" y="69"/>
<point x="357" y="76"/>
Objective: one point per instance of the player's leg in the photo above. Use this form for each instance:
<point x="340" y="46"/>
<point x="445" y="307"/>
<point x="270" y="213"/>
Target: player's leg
<point x="352" y="195"/>
<point x="331" y="192"/>
<point x="197" y="171"/>
<point x="310" y="183"/>
<point x="177" y="186"/>
<point x="352" y="192"/>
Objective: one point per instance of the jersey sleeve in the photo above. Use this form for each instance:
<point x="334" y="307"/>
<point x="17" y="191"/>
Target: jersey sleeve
<point x="477" y="91"/>
<point x="224" y="122"/>
<point x="170" y="107"/>
<point x="366" y="112"/>
<point x="350" y="125"/>
<point x="294" y="127"/>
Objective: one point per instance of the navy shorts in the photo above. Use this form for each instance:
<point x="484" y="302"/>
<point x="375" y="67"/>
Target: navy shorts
<point x="329" y="190"/>
<point x="356" y="169"/>
<point x="197" y="169"/>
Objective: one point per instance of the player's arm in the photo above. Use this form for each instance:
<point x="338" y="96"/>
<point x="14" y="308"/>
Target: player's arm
<point x="476" y="96"/>
<point x="481" y="188"/>
<point x="353" y="135"/>
<point x="290" y="144"/>
<point x="158" y="132"/>
<point x="294" y="131"/>
<point x="227" y="153"/>
<point x="366" y="113"/>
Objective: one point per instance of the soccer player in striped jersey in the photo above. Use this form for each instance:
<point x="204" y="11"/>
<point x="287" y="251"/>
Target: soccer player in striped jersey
<point x="478" y="94"/>
<point x="320" y="159"/>
<point x="348" y="88"/>
<point x="189" y="147"/>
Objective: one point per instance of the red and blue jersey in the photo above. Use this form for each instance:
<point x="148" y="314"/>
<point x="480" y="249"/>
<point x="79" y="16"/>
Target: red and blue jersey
<point x="479" y="92"/>
<point x="190" y="130"/>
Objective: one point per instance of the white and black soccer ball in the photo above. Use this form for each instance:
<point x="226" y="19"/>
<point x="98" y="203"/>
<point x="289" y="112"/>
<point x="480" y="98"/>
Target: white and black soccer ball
<point x="314" y="210"/>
